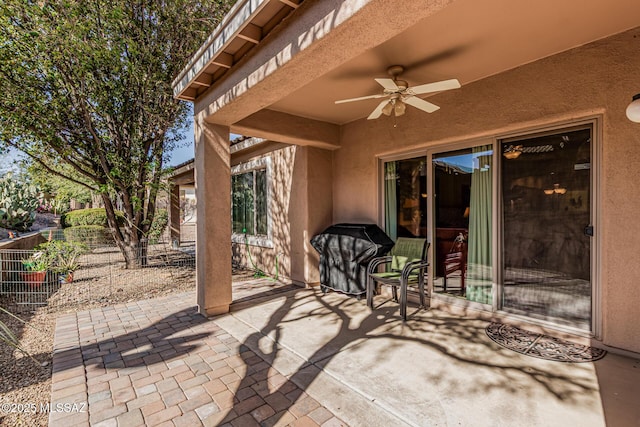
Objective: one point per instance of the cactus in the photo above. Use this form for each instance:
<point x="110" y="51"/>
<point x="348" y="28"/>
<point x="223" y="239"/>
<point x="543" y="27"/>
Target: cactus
<point x="18" y="203"/>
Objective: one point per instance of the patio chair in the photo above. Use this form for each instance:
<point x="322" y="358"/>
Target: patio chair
<point x="455" y="263"/>
<point x="406" y="264"/>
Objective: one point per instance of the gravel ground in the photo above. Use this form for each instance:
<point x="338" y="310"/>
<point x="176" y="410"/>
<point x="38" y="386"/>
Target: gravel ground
<point x="98" y="283"/>
<point x="25" y="381"/>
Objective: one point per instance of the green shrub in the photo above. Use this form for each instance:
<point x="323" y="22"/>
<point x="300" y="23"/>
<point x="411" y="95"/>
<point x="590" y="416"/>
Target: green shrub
<point x="91" y="235"/>
<point x="159" y="225"/>
<point x="92" y="216"/>
<point x="63" y="255"/>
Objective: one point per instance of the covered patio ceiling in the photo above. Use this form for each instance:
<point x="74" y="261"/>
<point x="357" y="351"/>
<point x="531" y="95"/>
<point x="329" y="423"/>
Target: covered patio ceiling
<point x="468" y="40"/>
<point x="464" y="39"/>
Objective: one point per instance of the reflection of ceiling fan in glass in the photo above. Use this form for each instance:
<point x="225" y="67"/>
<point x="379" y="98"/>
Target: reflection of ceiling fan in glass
<point x="398" y="94"/>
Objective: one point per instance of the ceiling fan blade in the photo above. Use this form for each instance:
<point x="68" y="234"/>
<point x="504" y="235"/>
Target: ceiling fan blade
<point x="420" y="104"/>
<point x="436" y="87"/>
<point x="378" y="111"/>
<point x="388" y="84"/>
<point x="342" y="101"/>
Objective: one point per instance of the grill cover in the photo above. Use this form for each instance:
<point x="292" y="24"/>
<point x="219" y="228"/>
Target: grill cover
<point x="345" y="250"/>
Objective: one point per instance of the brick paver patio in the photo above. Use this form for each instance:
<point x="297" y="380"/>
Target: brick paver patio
<point x="160" y="363"/>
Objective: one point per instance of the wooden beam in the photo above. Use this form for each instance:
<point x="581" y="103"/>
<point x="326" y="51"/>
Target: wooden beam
<point x="189" y="94"/>
<point x="203" y="79"/>
<point x="291" y="3"/>
<point x="251" y="33"/>
<point x="223" y="59"/>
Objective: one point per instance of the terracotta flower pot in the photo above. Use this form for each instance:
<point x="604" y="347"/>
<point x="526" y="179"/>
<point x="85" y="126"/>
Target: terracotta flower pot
<point x="34" y="278"/>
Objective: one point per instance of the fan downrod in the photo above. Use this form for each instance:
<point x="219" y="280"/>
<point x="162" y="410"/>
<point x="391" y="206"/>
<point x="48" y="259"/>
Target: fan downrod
<point x="395" y="70"/>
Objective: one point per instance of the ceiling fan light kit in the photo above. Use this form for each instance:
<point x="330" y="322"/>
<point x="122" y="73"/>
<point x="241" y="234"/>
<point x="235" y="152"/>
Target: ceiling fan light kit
<point x="399" y="94"/>
<point x="388" y="108"/>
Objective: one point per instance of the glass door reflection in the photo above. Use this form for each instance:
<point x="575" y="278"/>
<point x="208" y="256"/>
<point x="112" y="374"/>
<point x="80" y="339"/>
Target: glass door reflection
<point x="463" y="215"/>
<point x="546" y="194"/>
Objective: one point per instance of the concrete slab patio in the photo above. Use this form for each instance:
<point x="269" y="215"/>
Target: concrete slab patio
<point x="298" y="357"/>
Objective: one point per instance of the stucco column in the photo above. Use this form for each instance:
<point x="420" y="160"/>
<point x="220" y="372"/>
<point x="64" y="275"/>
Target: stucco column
<point x="213" y="207"/>
<point x="174" y="213"/>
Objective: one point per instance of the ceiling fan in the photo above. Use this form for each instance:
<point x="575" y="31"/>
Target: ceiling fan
<point x="398" y="94"/>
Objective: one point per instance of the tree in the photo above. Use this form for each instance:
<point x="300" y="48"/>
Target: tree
<point x="86" y="86"/>
<point x="62" y="189"/>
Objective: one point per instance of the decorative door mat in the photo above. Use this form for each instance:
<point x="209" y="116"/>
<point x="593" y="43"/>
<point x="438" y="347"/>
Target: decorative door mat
<point x="541" y="346"/>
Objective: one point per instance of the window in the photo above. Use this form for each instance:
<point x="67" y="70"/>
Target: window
<point x="249" y="202"/>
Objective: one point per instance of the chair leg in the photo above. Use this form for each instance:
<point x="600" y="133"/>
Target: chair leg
<point x="370" y="285"/>
<point x="395" y="293"/>
<point x="421" y="290"/>
<point x="403" y="301"/>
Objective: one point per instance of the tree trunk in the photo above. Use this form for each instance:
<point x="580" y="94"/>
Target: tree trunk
<point x="136" y="254"/>
<point x="132" y="246"/>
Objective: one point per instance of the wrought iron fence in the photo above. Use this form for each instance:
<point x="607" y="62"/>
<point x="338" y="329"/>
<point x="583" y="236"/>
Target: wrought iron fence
<point x="101" y="276"/>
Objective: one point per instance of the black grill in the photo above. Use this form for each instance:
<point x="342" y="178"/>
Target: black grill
<point x="345" y="250"/>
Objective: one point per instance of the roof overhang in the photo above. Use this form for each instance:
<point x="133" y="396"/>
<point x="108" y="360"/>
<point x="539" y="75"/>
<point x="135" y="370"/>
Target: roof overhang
<point x="242" y="29"/>
<point x="285" y="87"/>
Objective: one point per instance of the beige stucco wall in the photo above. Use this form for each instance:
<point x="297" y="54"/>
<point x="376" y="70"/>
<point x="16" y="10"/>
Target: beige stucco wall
<point x="300" y="206"/>
<point x="594" y="80"/>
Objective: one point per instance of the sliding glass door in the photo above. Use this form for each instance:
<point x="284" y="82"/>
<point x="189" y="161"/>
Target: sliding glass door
<point x="546" y="205"/>
<point x="520" y="245"/>
<point x="405" y="198"/>
<point x="462" y="203"/>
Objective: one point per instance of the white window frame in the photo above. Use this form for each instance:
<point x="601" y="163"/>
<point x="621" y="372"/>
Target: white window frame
<point x="255" y="240"/>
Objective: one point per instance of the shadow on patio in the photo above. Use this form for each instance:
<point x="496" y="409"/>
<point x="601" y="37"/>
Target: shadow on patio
<point x="298" y="356"/>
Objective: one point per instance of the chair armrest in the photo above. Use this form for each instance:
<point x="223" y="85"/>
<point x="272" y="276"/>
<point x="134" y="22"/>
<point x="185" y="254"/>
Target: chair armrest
<point x="375" y="262"/>
<point x="411" y="266"/>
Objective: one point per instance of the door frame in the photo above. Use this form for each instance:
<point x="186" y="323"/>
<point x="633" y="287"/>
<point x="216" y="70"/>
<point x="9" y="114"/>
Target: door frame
<point x="595" y="121"/>
<point x="595" y="124"/>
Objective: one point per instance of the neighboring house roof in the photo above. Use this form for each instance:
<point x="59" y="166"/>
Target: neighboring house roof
<point x="177" y="169"/>
<point x="183" y="174"/>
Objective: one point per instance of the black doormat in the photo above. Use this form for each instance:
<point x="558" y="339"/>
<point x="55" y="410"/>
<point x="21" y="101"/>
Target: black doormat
<point x="541" y="346"/>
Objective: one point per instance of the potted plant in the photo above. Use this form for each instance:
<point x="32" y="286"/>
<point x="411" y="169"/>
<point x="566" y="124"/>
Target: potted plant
<point x="65" y="257"/>
<point x="36" y="267"/>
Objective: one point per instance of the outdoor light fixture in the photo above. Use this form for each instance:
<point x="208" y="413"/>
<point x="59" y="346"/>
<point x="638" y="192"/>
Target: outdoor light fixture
<point x="512" y="152"/>
<point x="633" y="109"/>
